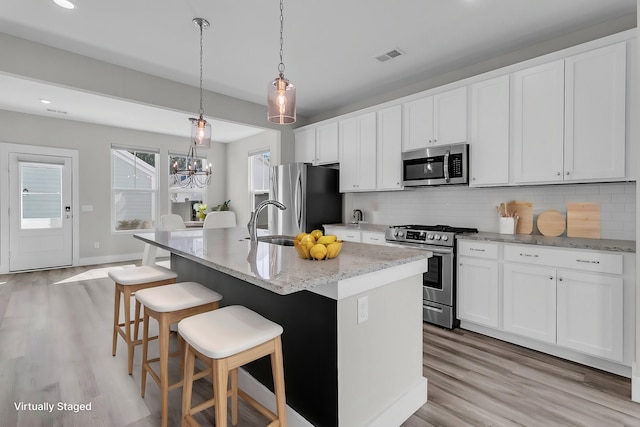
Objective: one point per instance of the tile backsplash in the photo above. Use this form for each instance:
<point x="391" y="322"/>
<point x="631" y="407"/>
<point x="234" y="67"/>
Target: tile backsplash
<point x="476" y="207"/>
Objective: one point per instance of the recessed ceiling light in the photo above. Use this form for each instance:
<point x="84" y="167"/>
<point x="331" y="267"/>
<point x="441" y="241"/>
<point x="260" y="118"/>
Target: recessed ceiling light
<point x="65" y="3"/>
<point x="45" y="101"/>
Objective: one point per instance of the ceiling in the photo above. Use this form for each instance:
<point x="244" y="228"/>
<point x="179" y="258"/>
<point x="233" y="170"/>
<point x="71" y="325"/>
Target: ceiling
<point x="329" y="47"/>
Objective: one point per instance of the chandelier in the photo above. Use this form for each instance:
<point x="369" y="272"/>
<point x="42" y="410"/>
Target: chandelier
<point x="281" y="93"/>
<point x="194" y="173"/>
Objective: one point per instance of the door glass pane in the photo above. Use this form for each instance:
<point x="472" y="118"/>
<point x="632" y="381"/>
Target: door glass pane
<point x="41" y="201"/>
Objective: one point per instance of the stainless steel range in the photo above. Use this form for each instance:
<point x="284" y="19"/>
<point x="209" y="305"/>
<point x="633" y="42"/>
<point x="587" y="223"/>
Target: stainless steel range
<point x="439" y="294"/>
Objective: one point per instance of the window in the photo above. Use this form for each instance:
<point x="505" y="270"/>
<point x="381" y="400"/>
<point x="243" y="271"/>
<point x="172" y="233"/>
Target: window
<point x="41" y="202"/>
<point x="259" y="164"/>
<point x="134" y="187"/>
<point x="182" y="199"/>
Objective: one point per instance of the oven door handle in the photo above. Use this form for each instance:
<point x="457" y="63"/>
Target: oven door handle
<point x="435" y="250"/>
<point x="442" y="251"/>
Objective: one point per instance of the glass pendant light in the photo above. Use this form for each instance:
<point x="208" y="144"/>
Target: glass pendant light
<point x="200" y="129"/>
<point x="281" y="93"/>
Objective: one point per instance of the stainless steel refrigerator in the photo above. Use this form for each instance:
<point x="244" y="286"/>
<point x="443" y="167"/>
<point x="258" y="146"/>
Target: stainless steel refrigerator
<point x="310" y="194"/>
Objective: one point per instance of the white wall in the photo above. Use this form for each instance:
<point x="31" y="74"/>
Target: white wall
<point x="237" y="183"/>
<point x="476" y="207"/>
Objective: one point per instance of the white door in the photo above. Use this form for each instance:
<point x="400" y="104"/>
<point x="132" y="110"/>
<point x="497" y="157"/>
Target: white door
<point x="538" y="123"/>
<point x="450" y="117"/>
<point x="530" y="301"/>
<point x="40" y="214"/>
<point x="590" y="317"/>
<point x="390" y="148"/>
<point x="478" y="299"/>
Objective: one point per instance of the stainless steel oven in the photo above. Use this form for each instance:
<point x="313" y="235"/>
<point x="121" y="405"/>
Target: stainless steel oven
<point x="438" y="283"/>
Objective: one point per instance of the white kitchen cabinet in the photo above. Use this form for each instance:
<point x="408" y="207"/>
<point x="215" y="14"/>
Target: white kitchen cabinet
<point x="530" y="301"/>
<point x="357" y="136"/>
<point x="478" y="283"/>
<point x="595" y="91"/>
<point x="538" y="123"/>
<point x="440" y="119"/>
<point x="372" y="237"/>
<point x="317" y="144"/>
<point x="590" y="315"/>
<point x="344" y="233"/>
<point x="389" y="133"/>
<point x="327" y="144"/>
<point x="489" y="133"/>
<point x="565" y="112"/>
<point x="305" y="146"/>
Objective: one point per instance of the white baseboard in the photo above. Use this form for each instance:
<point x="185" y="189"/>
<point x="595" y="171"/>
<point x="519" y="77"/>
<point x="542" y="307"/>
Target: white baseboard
<point x="262" y="394"/>
<point x="108" y="259"/>
<point x="404" y="407"/>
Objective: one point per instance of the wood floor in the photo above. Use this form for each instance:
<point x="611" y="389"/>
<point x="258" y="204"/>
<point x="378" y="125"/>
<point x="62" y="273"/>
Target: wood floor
<point x="55" y="346"/>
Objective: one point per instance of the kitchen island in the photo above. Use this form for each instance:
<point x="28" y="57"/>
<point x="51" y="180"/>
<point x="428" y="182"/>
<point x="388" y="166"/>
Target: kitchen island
<point x="352" y="338"/>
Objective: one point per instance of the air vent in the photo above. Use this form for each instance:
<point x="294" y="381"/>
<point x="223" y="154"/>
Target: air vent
<point x="51" y="110"/>
<point x="389" y="55"/>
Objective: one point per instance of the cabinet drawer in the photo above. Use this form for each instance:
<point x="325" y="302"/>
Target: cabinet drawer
<point x="478" y="249"/>
<point x="576" y="260"/>
<point x="373" y="238"/>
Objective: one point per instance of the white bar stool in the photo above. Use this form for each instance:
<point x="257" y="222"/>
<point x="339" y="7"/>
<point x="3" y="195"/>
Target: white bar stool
<point x="170" y="304"/>
<point x="128" y="281"/>
<point x="228" y="338"/>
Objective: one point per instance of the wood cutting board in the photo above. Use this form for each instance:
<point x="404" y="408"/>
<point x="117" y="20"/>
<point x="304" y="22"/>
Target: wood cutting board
<point x="583" y="220"/>
<point x="551" y="223"/>
<point x="524" y="211"/>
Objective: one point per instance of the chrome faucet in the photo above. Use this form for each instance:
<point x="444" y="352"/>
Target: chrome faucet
<point x="251" y="225"/>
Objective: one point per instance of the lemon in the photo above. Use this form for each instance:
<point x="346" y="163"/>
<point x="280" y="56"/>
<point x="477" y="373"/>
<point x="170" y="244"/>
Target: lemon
<point x="318" y="251"/>
<point x="316" y="234"/>
<point x="300" y="236"/>
<point x="325" y="240"/>
<point x="308" y="238"/>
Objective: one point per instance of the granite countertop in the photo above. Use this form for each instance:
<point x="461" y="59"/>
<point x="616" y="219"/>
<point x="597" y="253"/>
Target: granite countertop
<point x="361" y="226"/>
<point x="563" y="242"/>
<point x="273" y="267"/>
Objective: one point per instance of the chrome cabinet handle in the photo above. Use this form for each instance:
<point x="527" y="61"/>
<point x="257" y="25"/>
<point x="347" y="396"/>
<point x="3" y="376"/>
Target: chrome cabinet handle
<point x="558" y="173"/>
<point x="477" y="250"/>
<point x="588" y="261"/>
<point x="529" y="255"/>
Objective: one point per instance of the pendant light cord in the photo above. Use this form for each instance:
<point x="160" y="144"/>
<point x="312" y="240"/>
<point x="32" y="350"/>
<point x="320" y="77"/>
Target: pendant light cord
<point x="281" y="65"/>
<point x="201" y="109"/>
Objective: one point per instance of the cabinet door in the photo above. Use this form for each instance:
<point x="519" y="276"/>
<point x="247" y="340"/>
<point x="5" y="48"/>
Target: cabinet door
<point x="538" y="123"/>
<point x="478" y="299"/>
<point x="373" y="238"/>
<point x="348" y="235"/>
<point x="489" y="138"/>
<point x="450" y="117"/>
<point x="389" y="148"/>
<point x="305" y="146"/>
<point x="529" y="302"/>
<point x="590" y="313"/>
<point x="367" y="152"/>
<point x="418" y="124"/>
<point x="349" y="152"/>
<point x="327" y="144"/>
<point x="594" y="146"/>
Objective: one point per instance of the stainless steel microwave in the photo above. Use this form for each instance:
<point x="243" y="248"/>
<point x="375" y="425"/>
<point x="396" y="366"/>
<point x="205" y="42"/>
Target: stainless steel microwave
<point x="443" y="165"/>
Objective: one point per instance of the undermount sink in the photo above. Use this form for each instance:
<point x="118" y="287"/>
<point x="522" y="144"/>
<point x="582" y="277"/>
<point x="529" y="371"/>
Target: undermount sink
<point x="277" y="240"/>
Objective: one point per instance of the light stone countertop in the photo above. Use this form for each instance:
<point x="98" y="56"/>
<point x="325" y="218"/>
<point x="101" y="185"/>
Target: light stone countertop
<point x="273" y="267"/>
<point x="563" y="242"/>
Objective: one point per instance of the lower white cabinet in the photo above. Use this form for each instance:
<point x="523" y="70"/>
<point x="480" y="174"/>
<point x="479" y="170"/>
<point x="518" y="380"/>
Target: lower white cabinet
<point x="575" y="303"/>
<point x="529" y="301"/>
<point x="478" y="291"/>
<point x="590" y="315"/>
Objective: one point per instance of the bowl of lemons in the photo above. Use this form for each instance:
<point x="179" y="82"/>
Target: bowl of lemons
<point x="316" y="246"/>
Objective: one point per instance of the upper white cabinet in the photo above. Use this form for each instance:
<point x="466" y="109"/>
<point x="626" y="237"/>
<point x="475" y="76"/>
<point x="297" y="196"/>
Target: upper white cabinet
<point x="389" y="148"/>
<point x="569" y="118"/>
<point x="357" y="155"/>
<point x="327" y="144"/>
<point x="440" y="119"/>
<point x="317" y="145"/>
<point x="538" y="123"/>
<point x="489" y="133"/>
<point x="305" y="146"/>
<point x="595" y="88"/>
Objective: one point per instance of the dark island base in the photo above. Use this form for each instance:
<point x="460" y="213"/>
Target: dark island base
<point x="309" y="340"/>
